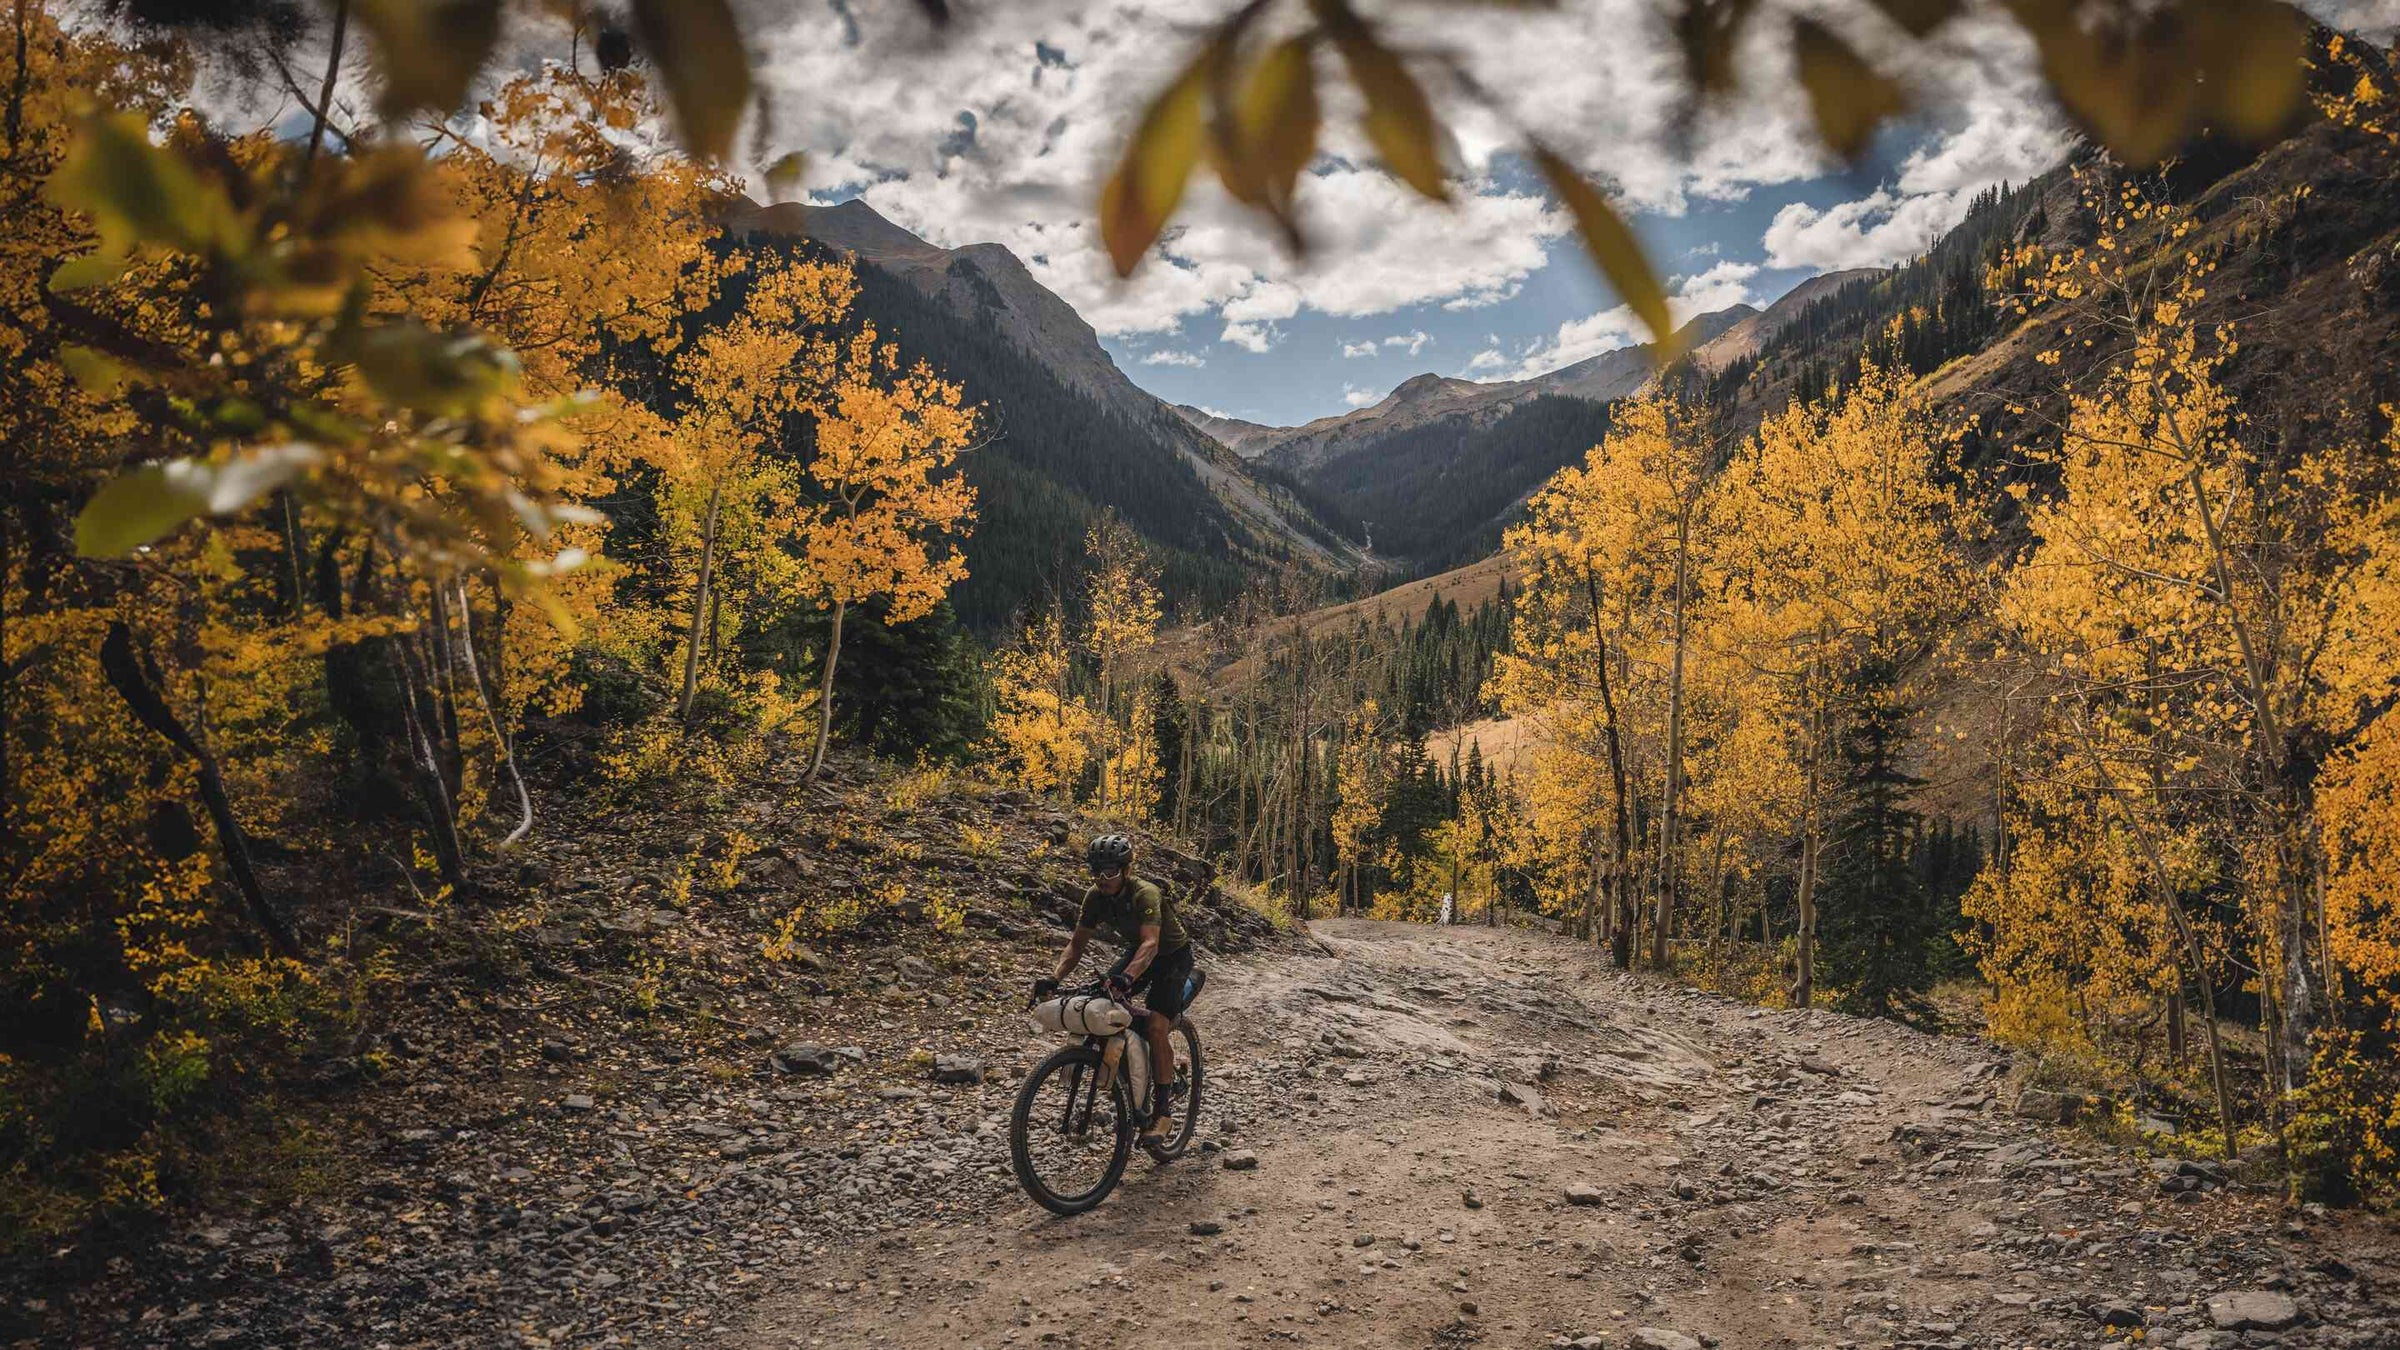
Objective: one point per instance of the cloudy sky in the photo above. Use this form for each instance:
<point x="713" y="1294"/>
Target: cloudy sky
<point x="1002" y="127"/>
<point x="1002" y="130"/>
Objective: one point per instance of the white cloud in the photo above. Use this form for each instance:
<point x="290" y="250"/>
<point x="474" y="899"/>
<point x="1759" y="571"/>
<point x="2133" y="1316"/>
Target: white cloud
<point x="1411" y="342"/>
<point x="2377" y="19"/>
<point x="1003" y="128"/>
<point x="1998" y="126"/>
<point x="1049" y="89"/>
<point x="1251" y="337"/>
<point x="1484" y="362"/>
<point x="1359" y="398"/>
<point x="1720" y="287"/>
<point x="1168" y="356"/>
<point x="1877" y="230"/>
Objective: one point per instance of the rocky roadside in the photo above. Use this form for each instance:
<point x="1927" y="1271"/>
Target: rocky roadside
<point x="591" y="1109"/>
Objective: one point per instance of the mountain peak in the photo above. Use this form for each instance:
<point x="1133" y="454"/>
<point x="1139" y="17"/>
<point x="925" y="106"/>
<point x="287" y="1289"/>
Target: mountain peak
<point x="1419" y="387"/>
<point x="852" y="226"/>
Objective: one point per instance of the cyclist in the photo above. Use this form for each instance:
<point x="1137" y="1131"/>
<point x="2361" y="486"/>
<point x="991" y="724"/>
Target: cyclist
<point x="1157" y="959"/>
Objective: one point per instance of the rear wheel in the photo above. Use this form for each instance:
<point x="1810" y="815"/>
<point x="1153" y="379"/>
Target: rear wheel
<point x="1184" y="1039"/>
<point x="1070" y="1138"/>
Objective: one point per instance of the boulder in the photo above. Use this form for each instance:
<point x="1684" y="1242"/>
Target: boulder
<point x="957" y="1069"/>
<point x="1525" y="1095"/>
<point x="2116" y="1313"/>
<point x="1584" y="1193"/>
<point x="807" y="1057"/>
<point x="2057" y="1108"/>
<point x="1659" y="1338"/>
<point x="2253" y="1310"/>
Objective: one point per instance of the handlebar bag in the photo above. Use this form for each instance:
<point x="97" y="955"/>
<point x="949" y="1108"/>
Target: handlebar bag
<point x="1082" y="1015"/>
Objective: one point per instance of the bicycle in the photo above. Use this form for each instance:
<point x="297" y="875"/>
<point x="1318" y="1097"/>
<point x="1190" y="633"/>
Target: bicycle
<point x="1074" y="1121"/>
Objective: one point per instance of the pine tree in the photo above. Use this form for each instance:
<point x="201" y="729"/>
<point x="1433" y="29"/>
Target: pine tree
<point x="1170" y="723"/>
<point x="1876" y="918"/>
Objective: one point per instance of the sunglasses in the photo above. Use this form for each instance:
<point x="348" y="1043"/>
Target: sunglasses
<point x="1108" y="873"/>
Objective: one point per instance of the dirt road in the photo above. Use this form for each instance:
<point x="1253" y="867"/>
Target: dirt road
<point x="1677" y="1169"/>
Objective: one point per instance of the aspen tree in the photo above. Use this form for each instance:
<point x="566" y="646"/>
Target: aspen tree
<point x="887" y="508"/>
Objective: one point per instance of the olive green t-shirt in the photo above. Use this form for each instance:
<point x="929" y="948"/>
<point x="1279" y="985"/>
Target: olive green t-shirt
<point x="1137" y="903"/>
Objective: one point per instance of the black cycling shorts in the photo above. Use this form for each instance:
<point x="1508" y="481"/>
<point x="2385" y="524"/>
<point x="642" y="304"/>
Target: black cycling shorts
<point x="1165" y="980"/>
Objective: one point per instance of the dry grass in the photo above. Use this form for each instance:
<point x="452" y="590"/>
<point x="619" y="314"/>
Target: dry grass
<point x="1507" y="744"/>
<point x="1186" y="650"/>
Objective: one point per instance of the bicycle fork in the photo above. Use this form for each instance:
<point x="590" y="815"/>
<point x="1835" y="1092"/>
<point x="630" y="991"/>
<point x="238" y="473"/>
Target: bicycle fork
<point x="1086" y="1086"/>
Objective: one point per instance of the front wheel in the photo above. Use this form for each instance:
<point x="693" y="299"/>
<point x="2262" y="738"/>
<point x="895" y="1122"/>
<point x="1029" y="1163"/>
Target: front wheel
<point x="1184" y="1039"/>
<point x="1069" y="1137"/>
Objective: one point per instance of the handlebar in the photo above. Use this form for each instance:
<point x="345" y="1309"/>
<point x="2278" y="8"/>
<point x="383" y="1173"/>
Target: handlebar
<point x="1095" y="989"/>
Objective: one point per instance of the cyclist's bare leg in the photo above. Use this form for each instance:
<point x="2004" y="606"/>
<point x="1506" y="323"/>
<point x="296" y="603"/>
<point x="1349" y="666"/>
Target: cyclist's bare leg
<point x="1162" y="1063"/>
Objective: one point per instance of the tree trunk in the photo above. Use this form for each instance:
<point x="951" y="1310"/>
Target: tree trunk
<point x="491" y="710"/>
<point x="289" y="514"/>
<point x="1458" y="902"/>
<point x="1183" y="772"/>
<point x="137" y="683"/>
<point x="442" y="688"/>
<point x="1108" y="725"/>
<point x="1804" y="986"/>
<point x="333" y="70"/>
<point x="1670" y="859"/>
<point x="2192" y="952"/>
<point x="1587" y="923"/>
<point x="1620" y="946"/>
<point x="833" y="655"/>
<point x="433" y="791"/>
<point x="1718" y="884"/>
<point x="708" y="566"/>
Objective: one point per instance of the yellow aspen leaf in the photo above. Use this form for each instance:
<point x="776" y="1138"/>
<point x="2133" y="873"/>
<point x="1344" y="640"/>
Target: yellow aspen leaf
<point x="1275" y="126"/>
<point x="1848" y="97"/>
<point x="697" y="47"/>
<point x="1149" y="181"/>
<point x="1612" y="245"/>
<point x="139" y="194"/>
<point x="96" y="373"/>
<point x="147" y="502"/>
<point x="783" y="176"/>
<point x="428" y="51"/>
<point x="1399" y="119"/>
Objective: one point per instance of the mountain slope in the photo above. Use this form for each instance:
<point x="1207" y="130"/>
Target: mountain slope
<point x="1072" y="436"/>
<point x="1247" y="439"/>
<point x="1623" y="372"/>
<point x="1761" y="326"/>
<point x="1433" y="471"/>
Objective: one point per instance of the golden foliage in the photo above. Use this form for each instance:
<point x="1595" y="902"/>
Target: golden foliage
<point x="1042" y="732"/>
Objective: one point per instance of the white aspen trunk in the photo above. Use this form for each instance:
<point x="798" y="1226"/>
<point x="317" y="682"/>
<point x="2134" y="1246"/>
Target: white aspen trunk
<point x="708" y="563"/>
<point x="1670" y="859"/>
<point x="833" y="654"/>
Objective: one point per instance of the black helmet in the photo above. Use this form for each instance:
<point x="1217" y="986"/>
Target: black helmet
<point x="1110" y="851"/>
